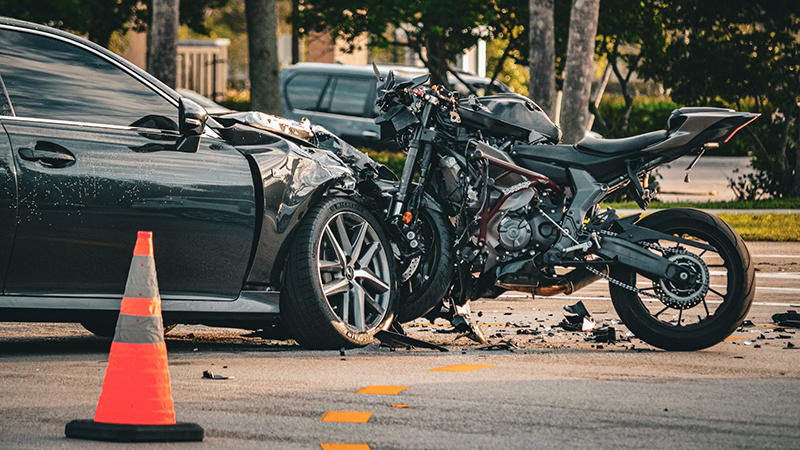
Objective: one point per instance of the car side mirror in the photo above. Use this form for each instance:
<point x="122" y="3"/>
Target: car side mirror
<point x="191" y="122"/>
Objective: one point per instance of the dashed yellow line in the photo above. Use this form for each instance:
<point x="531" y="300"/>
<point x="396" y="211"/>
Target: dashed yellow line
<point x="347" y="416"/>
<point x="382" y="390"/>
<point x="344" y="446"/>
<point x="462" y="368"/>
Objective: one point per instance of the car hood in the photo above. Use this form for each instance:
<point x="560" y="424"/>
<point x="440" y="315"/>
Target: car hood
<point x="306" y="134"/>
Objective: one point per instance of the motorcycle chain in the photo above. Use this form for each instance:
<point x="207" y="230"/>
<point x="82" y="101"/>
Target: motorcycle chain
<point x="667" y="300"/>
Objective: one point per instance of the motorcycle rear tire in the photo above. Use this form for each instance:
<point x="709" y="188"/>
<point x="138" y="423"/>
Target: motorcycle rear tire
<point x="740" y="288"/>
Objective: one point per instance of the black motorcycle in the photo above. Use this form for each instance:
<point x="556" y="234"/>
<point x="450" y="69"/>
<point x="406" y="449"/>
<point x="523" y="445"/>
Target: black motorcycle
<point x="488" y="201"/>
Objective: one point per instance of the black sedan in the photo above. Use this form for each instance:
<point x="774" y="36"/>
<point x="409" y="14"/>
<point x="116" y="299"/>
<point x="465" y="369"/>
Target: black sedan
<point x="253" y="222"/>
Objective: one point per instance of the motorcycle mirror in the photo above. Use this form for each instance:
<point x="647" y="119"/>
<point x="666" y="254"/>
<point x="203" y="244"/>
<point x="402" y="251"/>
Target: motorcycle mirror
<point x="377" y="73"/>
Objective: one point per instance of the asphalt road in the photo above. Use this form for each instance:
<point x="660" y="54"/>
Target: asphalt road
<point x="554" y="389"/>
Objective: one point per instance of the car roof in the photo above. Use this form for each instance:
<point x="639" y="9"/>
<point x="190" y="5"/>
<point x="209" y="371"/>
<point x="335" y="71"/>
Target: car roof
<point x="6" y="22"/>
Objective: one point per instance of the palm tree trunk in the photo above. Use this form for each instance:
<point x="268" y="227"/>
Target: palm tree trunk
<point x="542" y="88"/>
<point x="579" y="70"/>
<point x="162" y="48"/>
<point x="262" y="29"/>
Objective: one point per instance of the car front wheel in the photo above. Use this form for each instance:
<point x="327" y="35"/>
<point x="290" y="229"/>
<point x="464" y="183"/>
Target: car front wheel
<point x="339" y="281"/>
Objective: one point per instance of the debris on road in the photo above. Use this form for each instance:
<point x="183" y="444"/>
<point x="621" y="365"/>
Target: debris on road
<point x="212" y="376"/>
<point x="508" y="345"/>
<point x="577" y="319"/>
<point x="788" y="319"/>
<point x="392" y="339"/>
<point x="604" y="334"/>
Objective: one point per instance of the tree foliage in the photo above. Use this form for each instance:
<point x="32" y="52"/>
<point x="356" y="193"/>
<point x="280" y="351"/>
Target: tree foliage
<point x="437" y="31"/>
<point x="99" y="19"/>
<point x="745" y="55"/>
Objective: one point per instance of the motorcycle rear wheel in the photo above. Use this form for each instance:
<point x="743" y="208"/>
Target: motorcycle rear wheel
<point x="703" y="319"/>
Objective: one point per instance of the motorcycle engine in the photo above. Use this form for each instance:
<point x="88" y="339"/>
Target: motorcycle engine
<point x="514" y="232"/>
<point x="528" y="229"/>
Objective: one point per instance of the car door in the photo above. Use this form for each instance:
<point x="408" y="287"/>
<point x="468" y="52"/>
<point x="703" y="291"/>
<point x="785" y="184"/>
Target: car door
<point x="94" y="149"/>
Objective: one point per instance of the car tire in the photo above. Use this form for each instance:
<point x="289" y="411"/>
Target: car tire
<point x="339" y="281"/>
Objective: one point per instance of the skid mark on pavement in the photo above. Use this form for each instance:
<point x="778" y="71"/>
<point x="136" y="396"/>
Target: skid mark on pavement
<point x="347" y="416"/>
<point x="462" y="368"/>
<point x="382" y="390"/>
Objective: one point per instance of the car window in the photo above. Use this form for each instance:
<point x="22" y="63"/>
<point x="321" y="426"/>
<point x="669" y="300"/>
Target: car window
<point x="303" y="91"/>
<point x="50" y="79"/>
<point x="350" y="96"/>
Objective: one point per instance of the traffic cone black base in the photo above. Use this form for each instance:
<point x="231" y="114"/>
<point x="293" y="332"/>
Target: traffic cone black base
<point x="113" y="432"/>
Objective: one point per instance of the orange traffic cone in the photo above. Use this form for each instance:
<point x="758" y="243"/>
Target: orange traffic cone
<point x="136" y="401"/>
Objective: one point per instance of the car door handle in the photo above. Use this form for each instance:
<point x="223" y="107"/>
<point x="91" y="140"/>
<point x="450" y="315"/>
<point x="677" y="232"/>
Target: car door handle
<point x="49" y="154"/>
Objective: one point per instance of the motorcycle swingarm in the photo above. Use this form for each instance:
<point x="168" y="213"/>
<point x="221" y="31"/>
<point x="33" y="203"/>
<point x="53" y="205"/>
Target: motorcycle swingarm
<point x="644" y="261"/>
<point x="634" y="233"/>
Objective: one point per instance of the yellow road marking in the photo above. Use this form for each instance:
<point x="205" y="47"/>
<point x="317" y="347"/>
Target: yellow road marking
<point x="344" y="446"/>
<point x="462" y="368"/>
<point x="382" y="390"/>
<point x="400" y="406"/>
<point x="346" y="416"/>
<point x="730" y="338"/>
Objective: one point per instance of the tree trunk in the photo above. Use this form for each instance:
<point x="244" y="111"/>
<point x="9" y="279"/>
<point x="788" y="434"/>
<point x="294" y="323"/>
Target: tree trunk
<point x="295" y="33"/>
<point x="796" y="181"/>
<point x="437" y="61"/>
<point x="579" y="70"/>
<point x="162" y="48"/>
<point x="262" y="29"/>
<point x="542" y="55"/>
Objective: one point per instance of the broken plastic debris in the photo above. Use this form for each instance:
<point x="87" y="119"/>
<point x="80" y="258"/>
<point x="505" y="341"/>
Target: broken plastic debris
<point x="788" y="319"/>
<point x="392" y="340"/>
<point x="577" y="309"/>
<point x="210" y="376"/>
<point x="605" y="334"/>
<point x="509" y="345"/>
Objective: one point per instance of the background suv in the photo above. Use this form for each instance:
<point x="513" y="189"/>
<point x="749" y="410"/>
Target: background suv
<point x="342" y="98"/>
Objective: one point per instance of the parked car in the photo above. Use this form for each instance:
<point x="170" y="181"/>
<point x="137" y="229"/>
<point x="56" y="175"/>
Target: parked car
<point x="240" y="205"/>
<point x="342" y="98"/>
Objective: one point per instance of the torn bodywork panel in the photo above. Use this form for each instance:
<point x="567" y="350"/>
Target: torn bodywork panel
<point x="294" y="164"/>
<point x="291" y="174"/>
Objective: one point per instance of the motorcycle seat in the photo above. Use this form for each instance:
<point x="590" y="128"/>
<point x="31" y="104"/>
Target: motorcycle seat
<point x="624" y="145"/>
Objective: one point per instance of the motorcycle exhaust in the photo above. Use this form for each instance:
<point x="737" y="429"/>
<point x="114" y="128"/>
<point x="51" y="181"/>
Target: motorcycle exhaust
<point x="571" y="282"/>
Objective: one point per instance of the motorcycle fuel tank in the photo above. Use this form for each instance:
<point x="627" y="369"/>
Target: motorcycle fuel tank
<point x="510" y="114"/>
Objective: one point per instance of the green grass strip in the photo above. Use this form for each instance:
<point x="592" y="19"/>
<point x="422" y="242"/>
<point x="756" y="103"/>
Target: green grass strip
<point x="770" y="203"/>
<point x="765" y="227"/>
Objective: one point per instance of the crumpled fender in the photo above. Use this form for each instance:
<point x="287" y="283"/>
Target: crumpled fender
<point x="292" y="175"/>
